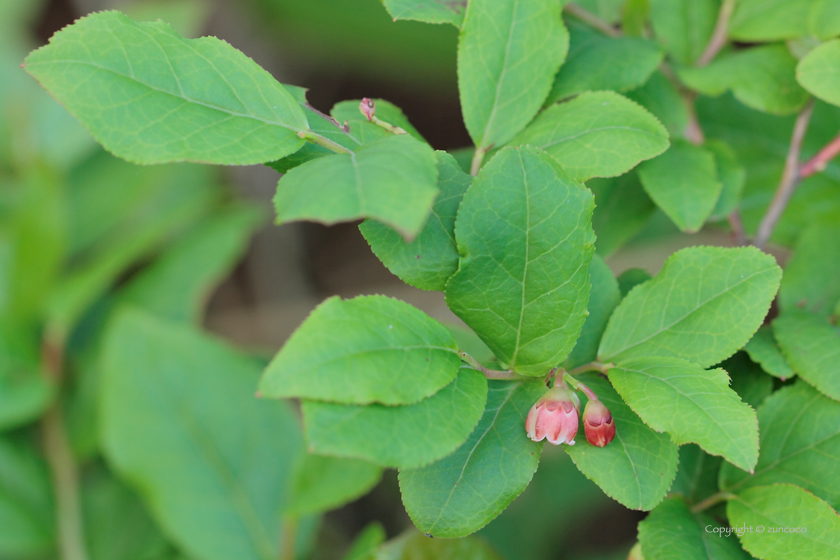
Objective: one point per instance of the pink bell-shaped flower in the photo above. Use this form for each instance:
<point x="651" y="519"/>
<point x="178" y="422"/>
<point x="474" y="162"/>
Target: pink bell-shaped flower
<point x="598" y="423"/>
<point x="554" y="416"/>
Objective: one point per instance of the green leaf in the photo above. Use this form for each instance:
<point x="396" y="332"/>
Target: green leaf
<point x="429" y="260"/>
<point x="416" y="546"/>
<point x="631" y="278"/>
<point x="731" y="173"/>
<point x="634" y="17"/>
<point x="429" y="11"/>
<point x="764" y="350"/>
<point x="402" y="437"/>
<point x="26" y="511"/>
<point x="524" y="234"/>
<point x="25" y="392"/>
<point x="769" y="20"/>
<point x="178" y="283"/>
<point x="800" y="444"/>
<point x="177" y="408"/>
<point x="697" y="475"/>
<point x="819" y="72"/>
<point x="704" y="304"/>
<point x="604" y="296"/>
<point x="325" y="483"/>
<point x="684" y="184"/>
<point x="777" y="510"/>
<point x="810" y="280"/>
<point x="385" y="110"/>
<point x="622" y="209"/>
<point x="151" y="96"/>
<point x="638" y="466"/>
<point x="391" y="179"/>
<point x="600" y="134"/>
<point x="508" y="54"/>
<point x="661" y="98"/>
<point x="824" y="20"/>
<point x="364" y="350"/>
<point x="811" y="345"/>
<point x="598" y="62"/>
<point x="748" y="379"/>
<point x="463" y="492"/>
<point x="763" y="78"/>
<point x="692" y="404"/>
<point x="609" y="10"/>
<point x="672" y="532"/>
<point x="367" y="542"/>
<point x="684" y="27"/>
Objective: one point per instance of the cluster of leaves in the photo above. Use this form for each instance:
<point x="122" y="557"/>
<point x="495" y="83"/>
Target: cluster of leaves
<point x="513" y="246"/>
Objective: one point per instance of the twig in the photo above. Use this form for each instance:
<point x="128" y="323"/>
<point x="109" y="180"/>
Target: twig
<point x="790" y="179"/>
<point x="712" y="500"/>
<point x="593" y="20"/>
<point x="322" y="141"/>
<point x="578" y="386"/>
<point x="693" y="131"/>
<point x="591" y="366"/>
<point x="719" y="35"/>
<point x="738" y="234"/>
<point x="490" y="373"/>
<point x="289" y="531"/>
<point x="820" y="161"/>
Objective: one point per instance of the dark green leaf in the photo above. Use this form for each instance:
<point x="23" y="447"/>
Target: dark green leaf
<point x="661" y="98"/>
<point x="631" y="278"/>
<point x="748" y="379"/>
<point x="622" y="208"/>
<point x="367" y="542"/>
<point x="684" y="27"/>
<point x="698" y="473"/>
<point x="731" y="174"/>
<point x="603" y="298"/>
<point x="810" y="280"/>
<point x="811" y="345"/>
<point x="25" y="392"/>
<point x="763" y="349"/>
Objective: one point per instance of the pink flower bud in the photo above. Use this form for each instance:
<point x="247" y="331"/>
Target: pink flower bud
<point x="554" y="417"/>
<point x="598" y="423"/>
<point x="367" y="107"/>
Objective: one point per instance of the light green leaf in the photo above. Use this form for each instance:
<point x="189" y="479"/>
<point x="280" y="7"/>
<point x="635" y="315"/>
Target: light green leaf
<point x="634" y="17"/>
<point x="429" y="11"/>
<point x="704" y="305"/>
<point x="777" y="510"/>
<point x="525" y="238"/>
<point x="661" y="98"/>
<point x="391" y="179"/>
<point x="638" y="466"/>
<point x="692" y="404"/>
<point x="731" y="173"/>
<point x="349" y="111"/>
<point x="325" y="483"/>
<point x="609" y="10"/>
<point x="622" y="209"/>
<point x="800" y="444"/>
<point x="810" y="280"/>
<point x="508" y="54"/>
<point x="598" y="62"/>
<point x="151" y="96"/>
<point x="367" y="542"/>
<point x="764" y="350"/>
<point x="811" y="346"/>
<point x="603" y="298"/>
<point x="763" y="78"/>
<point x="631" y="278"/>
<point x="26" y="511"/>
<point x="684" y="27"/>
<point x="684" y="184"/>
<point x="178" y="283"/>
<point x="819" y="72"/>
<point x="769" y="20"/>
<point x="402" y="437"/>
<point x="429" y="260"/>
<point x="824" y="20"/>
<point x="463" y="492"/>
<point x="697" y="475"/>
<point x="177" y="409"/>
<point x="417" y="546"/>
<point x="600" y="134"/>
<point x="364" y="350"/>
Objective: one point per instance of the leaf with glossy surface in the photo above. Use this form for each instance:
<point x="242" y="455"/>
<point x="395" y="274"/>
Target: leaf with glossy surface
<point x="429" y="11"/>
<point x="819" y="72"/>
<point x="684" y="184"/>
<point x="525" y="239"/>
<point x="800" y="444"/>
<point x="600" y="134"/>
<point x="402" y="437"/>
<point x="692" y="404"/>
<point x="26" y="509"/>
<point x="392" y="179"/>
<point x="763" y="20"/>
<point x="178" y="410"/>
<point x="779" y="508"/>
<point x="811" y="345"/>
<point x="461" y="493"/>
<point x="597" y="62"/>
<point x="151" y="96"/>
<point x="810" y="280"/>
<point x="622" y="209"/>
<point x="325" y="483"/>
<point x="604" y="296"/>
<point x="684" y="27"/>
<point x="429" y="260"/>
<point x="703" y="306"/>
<point x="364" y="350"/>
<point x="764" y="350"/>
<point x="638" y="466"/>
<point x="508" y="54"/>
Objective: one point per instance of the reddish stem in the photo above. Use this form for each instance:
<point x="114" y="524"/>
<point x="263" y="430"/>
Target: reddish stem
<point x="820" y="161"/>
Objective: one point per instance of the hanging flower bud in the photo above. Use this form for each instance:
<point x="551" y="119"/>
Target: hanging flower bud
<point x="554" y="416"/>
<point x="598" y="423"/>
<point x="367" y="107"/>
